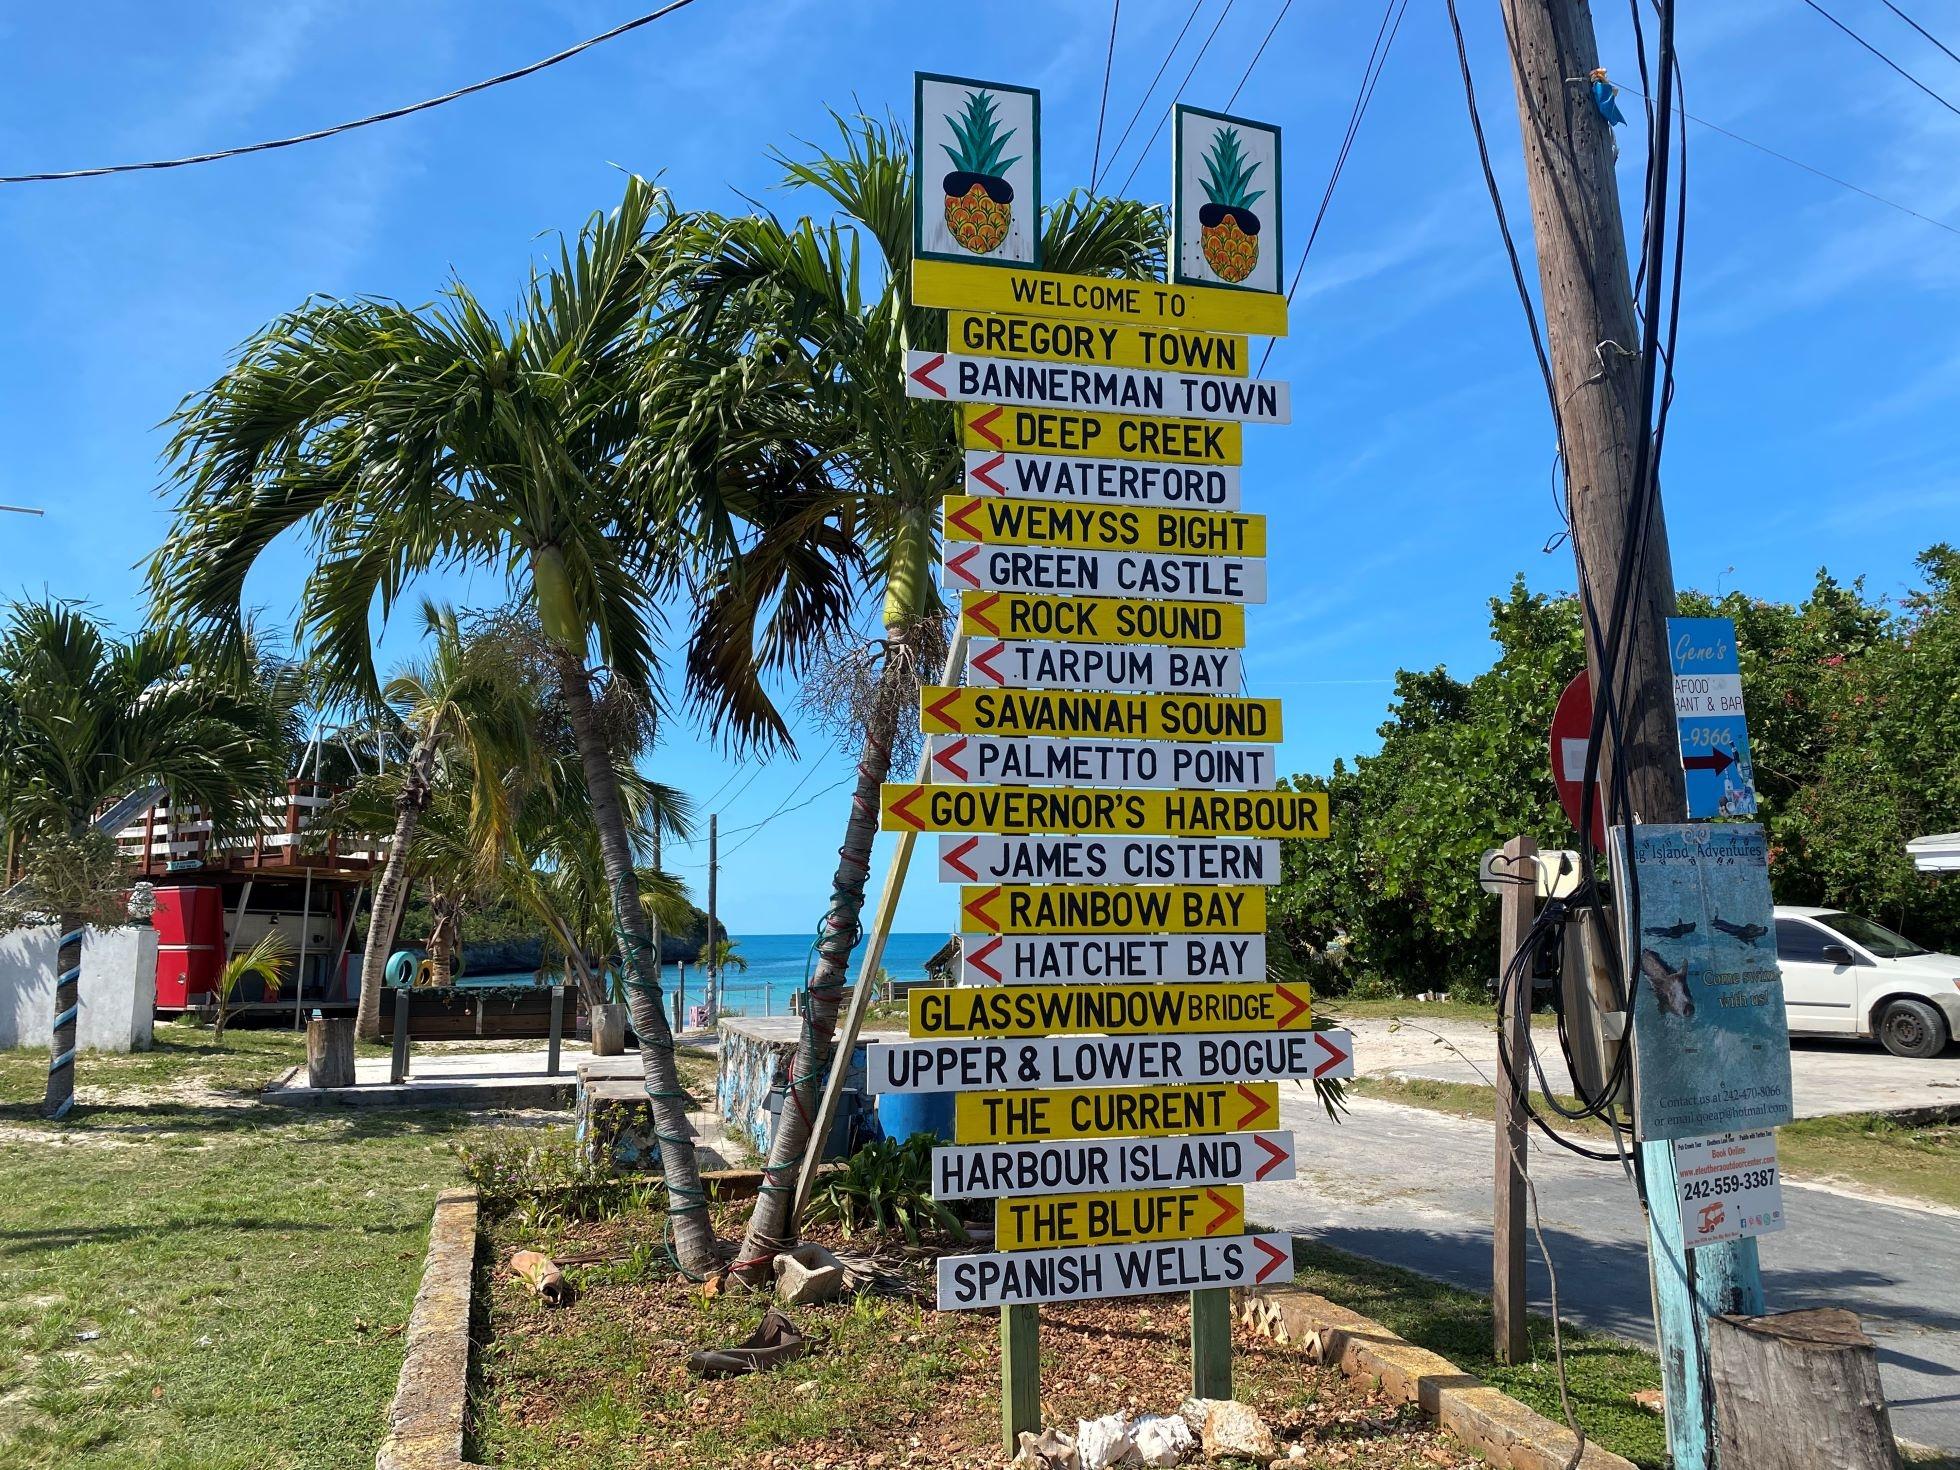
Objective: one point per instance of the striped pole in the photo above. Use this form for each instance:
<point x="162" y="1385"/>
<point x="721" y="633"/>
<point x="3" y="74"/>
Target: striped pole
<point x="61" y="1040"/>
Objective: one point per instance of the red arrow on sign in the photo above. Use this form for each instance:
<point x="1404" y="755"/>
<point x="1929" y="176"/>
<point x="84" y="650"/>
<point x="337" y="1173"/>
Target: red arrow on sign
<point x="1296" y="1005"/>
<point x="978" y="907"/>
<point x="922" y="374"/>
<point x="952" y="860"/>
<point x="978" y="959"/>
<point x="937" y="709"/>
<point x="984" y="473"/>
<point x="979" y="424"/>
<point x="1274" y="1258"/>
<point x="956" y="564"/>
<point x="1226" y="1211"/>
<point x="944" y="758"/>
<point x="1717" y="762"/>
<point x="983" y="662"/>
<point x="1336" y="1053"/>
<point x="902" y="808"/>
<point x="979" y="610"/>
<point x="1275" y="1156"/>
<point x="960" y="518"/>
<point x="1260" y="1107"/>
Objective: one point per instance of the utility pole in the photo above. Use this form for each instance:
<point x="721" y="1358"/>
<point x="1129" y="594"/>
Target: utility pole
<point x="714" y="939"/>
<point x="1596" y="374"/>
<point x="1518" y="906"/>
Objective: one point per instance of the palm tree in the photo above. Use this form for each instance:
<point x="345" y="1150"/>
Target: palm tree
<point x="87" y="720"/>
<point x="414" y="440"/>
<point x="787" y="347"/>
<point x="466" y="719"/>
<point x="266" y="959"/>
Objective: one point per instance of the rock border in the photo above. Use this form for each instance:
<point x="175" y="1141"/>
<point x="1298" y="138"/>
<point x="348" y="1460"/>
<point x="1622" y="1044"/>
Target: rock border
<point x="425" y="1421"/>
<point x="1486" y="1419"/>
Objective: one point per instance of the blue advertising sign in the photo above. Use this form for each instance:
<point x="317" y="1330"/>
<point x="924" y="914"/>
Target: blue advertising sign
<point x="1711" y="1044"/>
<point x="1715" y="761"/>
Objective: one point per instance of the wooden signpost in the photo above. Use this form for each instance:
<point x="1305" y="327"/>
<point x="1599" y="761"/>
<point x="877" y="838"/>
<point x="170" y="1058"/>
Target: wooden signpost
<point x="1109" y="799"/>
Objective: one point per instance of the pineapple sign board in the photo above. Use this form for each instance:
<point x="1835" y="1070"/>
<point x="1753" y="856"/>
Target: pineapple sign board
<point x="976" y="172"/>
<point x="1225" y="202"/>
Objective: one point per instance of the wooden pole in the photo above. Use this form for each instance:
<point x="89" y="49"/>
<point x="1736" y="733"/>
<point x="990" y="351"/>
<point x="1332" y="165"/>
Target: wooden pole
<point x="1517" y="907"/>
<point x="1211" y="1343"/>
<point x="299" y="965"/>
<point x="1020" y="1375"/>
<point x="1594" y="346"/>
<point x="1799" y="1389"/>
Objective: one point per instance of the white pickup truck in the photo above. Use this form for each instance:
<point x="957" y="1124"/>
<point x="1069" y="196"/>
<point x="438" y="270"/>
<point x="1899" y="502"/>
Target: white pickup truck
<point x="1847" y="976"/>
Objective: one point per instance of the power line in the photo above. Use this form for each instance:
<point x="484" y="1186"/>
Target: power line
<point x="1288" y="5"/>
<point x="1162" y="66"/>
<point x="1883" y="57"/>
<point x="1102" y="107"/>
<point x="1918" y="27"/>
<point x="1175" y="95"/>
<point x="784" y="810"/>
<point x="347" y="127"/>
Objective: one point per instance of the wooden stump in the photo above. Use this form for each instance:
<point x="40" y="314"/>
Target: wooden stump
<point x="330" y="1052"/>
<point x="1797" y="1390"/>
<point x="608" y="1030"/>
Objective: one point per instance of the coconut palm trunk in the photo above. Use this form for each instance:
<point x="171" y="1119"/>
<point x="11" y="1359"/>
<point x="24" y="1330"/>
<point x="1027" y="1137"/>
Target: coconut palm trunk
<point x="391" y="890"/>
<point x="67" y="1011"/>
<point x="687" y="1207"/>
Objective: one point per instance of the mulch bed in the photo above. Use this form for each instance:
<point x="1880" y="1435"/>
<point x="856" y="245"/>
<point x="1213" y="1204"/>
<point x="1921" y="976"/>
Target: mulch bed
<point x="604" y="1382"/>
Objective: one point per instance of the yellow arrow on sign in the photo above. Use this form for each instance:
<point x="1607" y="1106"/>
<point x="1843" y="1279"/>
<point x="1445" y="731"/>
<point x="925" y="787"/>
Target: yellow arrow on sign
<point x="1030" y="292"/>
<point x="1111" y="909"/>
<point x="1016" y="811"/>
<point x="1101" y="619"/>
<point x="1159" y="1008"/>
<point x="1113" y="1112"/>
<point x="1065" y="712"/>
<point x="1036" y="1222"/>
<point x="1100" y="435"/>
<point x="1105" y="344"/>
<point x="1103" y="527"/>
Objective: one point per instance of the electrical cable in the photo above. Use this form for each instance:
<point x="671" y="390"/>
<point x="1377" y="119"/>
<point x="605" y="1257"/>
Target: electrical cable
<point x="1920" y="28"/>
<point x="1247" y="75"/>
<point x="1883" y="57"/>
<point x="1095" y="177"/>
<point x="1188" y="72"/>
<point x="347" y="127"/>
<point x="1102" y="107"/>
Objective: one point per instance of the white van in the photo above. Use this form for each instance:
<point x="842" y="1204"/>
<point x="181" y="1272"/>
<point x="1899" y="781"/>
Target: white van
<point x="1847" y="976"/>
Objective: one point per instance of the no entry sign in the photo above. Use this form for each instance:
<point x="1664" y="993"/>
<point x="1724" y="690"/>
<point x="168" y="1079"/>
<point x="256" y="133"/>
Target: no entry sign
<point x="1074" y="712"/>
<point x="1159" y="1008"/>
<point x="1105" y="344"/>
<point x="1041" y="762"/>
<point x="1057" y="477"/>
<point x="1018" y="1278"/>
<point x="1016" y="522"/>
<point x="1107" y="1061"/>
<point x="1103" y="435"/>
<point x="1571" y="729"/>
<point x="1067" y="959"/>
<point x="994" y="1171"/>
<point x="1113" y="1112"/>
<point x="1110" y="909"/>
<point x="1101" y="619"/>
<point x="1107" y="859"/>
<point x="1048" y="1221"/>
<point x="968" y="564"/>
<point x="948" y="377"/>
<point x="1018" y="811"/>
<point x="1117" y="667"/>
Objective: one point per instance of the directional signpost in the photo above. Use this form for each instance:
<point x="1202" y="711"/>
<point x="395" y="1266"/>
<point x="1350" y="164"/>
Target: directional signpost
<point x="1108" y="796"/>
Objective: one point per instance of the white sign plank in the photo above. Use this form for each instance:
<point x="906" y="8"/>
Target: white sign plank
<point x="983" y="568"/>
<point x="1084" y="1273"/>
<point x="948" y="378"/>
<point x="1043" y="761"/>
<point x="1729" y="1186"/>
<point x="1069" y="959"/>
<point x="1000" y="1170"/>
<point x="1106" y="1061"/>
<point x="1245" y="861"/>
<point x="1129" y="482"/>
<point x="1130" y="668"/>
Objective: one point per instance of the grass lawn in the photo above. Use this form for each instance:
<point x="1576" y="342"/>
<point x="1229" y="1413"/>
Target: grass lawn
<point x="1339" y="1008"/>
<point x="1865" y="1150"/>
<point x="1602" y="1372"/>
<point x="194" y="1280"/>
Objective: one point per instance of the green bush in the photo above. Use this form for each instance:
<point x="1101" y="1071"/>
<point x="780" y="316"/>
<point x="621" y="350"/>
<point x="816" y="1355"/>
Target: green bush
<point x="886" y="1186"/>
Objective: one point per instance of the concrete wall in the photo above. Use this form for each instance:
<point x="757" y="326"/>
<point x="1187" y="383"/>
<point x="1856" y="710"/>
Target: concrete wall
<point x="754" y="1061"/>
<point x="119" y="987"/>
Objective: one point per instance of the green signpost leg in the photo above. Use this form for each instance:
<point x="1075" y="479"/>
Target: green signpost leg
<point x="1211" y="1344"/>
<point x="1020" y="1375"/>
<point x="1689" y="1288"/>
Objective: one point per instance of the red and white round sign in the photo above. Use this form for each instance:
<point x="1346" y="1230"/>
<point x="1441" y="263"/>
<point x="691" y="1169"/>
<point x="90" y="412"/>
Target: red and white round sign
<point x="1571" y="728"/>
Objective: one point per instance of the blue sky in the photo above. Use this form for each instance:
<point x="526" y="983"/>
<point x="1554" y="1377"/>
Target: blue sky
<point x="1819" y="370"/>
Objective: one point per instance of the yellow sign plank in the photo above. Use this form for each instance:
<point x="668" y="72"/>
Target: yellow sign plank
<point x="1016" y="811"/>
<point x="1113" y="1112"/>
<point x="1152" y="1009"/>
<point x="1029" y="292"/>
<point x="1066" y="712"/>
<point x="1101" y="619"/>
<point x="1038" y="1222"/>
<point x="1087" y="908"/>
<point x="994" y="522"/>
<point x="1103" y="344"/>
<point x="1100" y="435"/>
